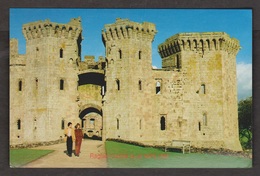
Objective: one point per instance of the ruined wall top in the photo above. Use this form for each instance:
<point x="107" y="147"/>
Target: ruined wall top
<point x="125" y="29"/>
<point x="47" y="28"/>
<point x="13" y="47"/>
<point x="16" y="59"/>
<point x="90" y="63"/>
<point x="199" y="41"/>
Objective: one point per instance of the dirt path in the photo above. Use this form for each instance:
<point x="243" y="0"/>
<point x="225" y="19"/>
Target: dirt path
<point x="90" y="149"/>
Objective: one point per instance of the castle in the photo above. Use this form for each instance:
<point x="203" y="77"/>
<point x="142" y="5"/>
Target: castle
<point x="120" y="96"/>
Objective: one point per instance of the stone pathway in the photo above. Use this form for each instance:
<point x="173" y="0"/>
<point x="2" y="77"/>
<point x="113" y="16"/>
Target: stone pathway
<point x="90" y="149"/>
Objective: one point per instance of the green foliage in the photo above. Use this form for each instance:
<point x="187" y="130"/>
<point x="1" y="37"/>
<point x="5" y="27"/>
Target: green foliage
<point x="245" y="122"/>
<point x="20" y="157"/>
<point x="120" y="155"/>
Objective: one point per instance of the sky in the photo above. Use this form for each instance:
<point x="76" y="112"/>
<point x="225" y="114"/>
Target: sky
<point x="236" y="23"/>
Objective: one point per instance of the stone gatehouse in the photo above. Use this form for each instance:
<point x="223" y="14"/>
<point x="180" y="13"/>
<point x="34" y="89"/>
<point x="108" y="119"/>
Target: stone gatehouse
<point x="193" y="97"/>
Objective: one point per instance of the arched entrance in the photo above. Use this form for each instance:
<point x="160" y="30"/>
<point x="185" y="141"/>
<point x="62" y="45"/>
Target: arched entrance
<point x="91" y="87"/>
<point x="92" y="122"/>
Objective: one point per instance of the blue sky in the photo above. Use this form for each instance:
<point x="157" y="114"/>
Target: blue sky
<point x="235" y="22"/>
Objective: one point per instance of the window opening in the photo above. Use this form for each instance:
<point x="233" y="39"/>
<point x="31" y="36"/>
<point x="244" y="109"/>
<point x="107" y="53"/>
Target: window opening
<point x="20" y="85"/>
<point x="19" y="124"/>
<point x="118" y="84"/>
<point x="117" y="124"/>
<point x="203" y="89"/>
<point x="62" y="124"/>
<point x="162" y="123"/>
<point x="140" y="84"/>
<point x="61" y="84"/>
<point x="140" y="55"/>
<point x="199" y="126"/>
<point x="120" y="54"/>
<point x="158" y="87"/>
<point x="61" y="53"/>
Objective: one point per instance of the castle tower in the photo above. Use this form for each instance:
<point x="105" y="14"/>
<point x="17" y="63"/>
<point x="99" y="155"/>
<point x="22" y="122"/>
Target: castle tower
<point x="207" y="65"/>
<point x="128" y="58"/>
<point x="17" y="96"/>
<point x="49" y="80"/>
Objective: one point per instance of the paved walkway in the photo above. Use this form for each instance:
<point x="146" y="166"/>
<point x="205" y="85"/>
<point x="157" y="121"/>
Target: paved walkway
<point x="90" y="150"/>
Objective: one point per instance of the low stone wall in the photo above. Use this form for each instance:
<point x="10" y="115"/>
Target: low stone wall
<point x="221" y="151"/>
<point x="37" y="144"/>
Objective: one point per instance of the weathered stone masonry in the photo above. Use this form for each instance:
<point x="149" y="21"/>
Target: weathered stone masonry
<point x="193" y="97"/>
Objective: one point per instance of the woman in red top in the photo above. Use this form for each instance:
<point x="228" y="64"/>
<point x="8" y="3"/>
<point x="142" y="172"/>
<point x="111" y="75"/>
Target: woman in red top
<point x="79" y="136"/>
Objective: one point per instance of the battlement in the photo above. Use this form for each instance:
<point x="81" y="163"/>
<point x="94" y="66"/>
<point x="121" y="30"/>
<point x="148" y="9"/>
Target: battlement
<point x="90" y="63"/>
<point x="126" y="29"/>
<point x="15" y="58"/>
<point x="13" y="47"/>
<point x="46" y="28"/>
<point x="206" y="41"/>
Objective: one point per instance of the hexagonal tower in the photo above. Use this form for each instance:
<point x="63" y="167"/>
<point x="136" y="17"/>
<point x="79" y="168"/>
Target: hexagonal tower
<point x="207" y="65"/>
<point x="128" y="57"/>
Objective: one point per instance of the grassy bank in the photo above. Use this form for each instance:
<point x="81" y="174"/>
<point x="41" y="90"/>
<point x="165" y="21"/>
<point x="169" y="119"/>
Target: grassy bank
<point x="120" y="155"/>
<point x="20" y="157"/>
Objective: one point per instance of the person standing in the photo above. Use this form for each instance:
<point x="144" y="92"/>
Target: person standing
<point x="70" y="137"/>
<point x="79" y="136"/>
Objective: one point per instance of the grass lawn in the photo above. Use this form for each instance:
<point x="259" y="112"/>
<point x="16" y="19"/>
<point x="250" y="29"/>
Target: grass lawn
<point x="120" y="155"/>
<point x="20" y="157"/>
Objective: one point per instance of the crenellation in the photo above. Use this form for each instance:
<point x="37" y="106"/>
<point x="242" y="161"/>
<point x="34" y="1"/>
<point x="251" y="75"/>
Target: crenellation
<point x="125" y="29"/>
<point x="204" y="43"/>
<point x="46" y="28"/>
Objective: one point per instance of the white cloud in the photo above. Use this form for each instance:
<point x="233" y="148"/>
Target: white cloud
<point x="244" y="80"/>
<point x="154" y="67"/>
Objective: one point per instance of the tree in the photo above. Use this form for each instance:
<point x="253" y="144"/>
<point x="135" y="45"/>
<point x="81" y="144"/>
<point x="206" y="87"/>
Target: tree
<point x="245" y="122"/>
